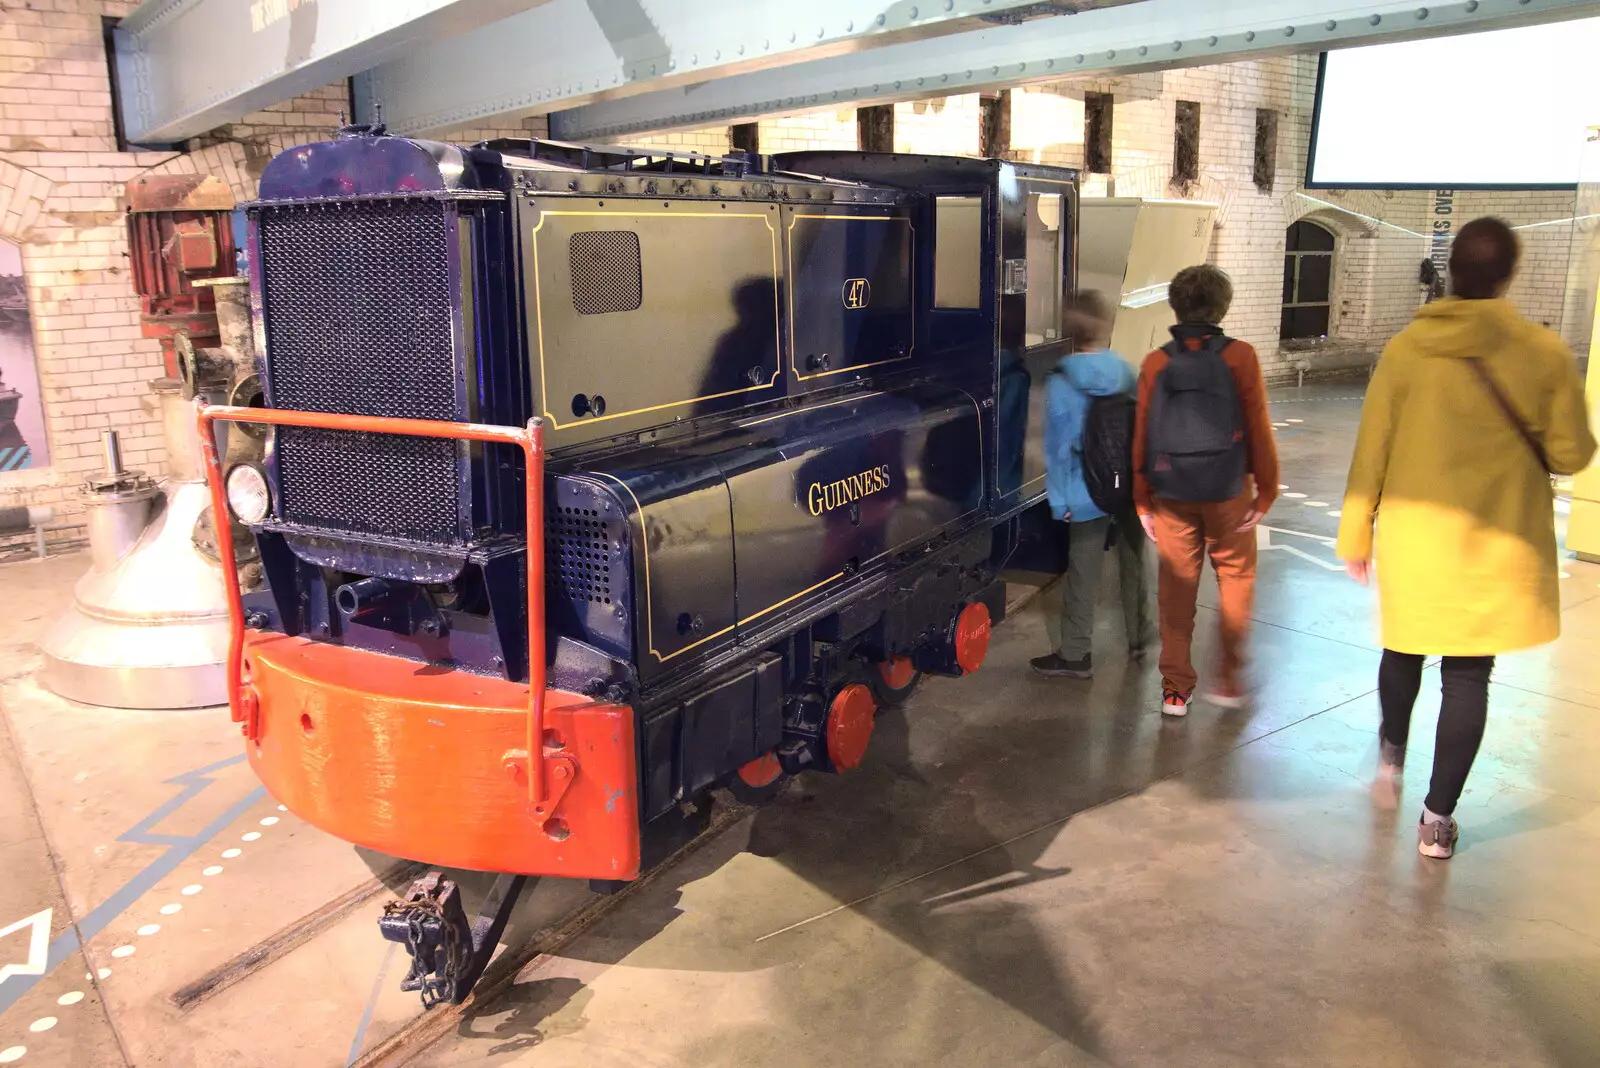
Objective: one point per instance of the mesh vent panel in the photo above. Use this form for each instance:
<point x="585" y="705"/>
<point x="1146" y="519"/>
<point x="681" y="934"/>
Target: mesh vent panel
<point x="606" y="271"/>
<point x="577" y="555"/>
<point x="385" y="484"/>
<point x="358" y="308"/>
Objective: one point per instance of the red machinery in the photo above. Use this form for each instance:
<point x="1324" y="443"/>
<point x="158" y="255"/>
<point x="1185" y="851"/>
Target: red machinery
<point x="179" y="230"/>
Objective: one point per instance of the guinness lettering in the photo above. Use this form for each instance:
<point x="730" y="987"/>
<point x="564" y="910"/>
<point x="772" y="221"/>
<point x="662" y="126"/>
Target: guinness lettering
<point x="857" y="292"/>
<point x="826" y="496"/>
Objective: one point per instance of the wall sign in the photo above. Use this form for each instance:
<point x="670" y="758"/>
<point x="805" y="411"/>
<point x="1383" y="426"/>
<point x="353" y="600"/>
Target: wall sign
<point x="22" y="436"/>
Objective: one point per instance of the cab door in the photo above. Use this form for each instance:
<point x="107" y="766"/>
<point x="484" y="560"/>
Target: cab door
<point x="1038" y="263"/>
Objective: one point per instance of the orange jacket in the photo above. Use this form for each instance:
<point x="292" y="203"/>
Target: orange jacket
<point x="1259" y="444"/>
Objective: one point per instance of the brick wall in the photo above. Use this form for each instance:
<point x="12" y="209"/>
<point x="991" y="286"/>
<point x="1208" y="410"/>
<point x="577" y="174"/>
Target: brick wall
<point x="1379" y="235"/>
<point x="943" y="127"/>
<point x="61" y="201"/>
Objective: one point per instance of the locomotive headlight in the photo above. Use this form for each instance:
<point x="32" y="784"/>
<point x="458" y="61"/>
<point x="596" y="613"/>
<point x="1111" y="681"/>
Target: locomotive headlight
<point x="248" y="495"/>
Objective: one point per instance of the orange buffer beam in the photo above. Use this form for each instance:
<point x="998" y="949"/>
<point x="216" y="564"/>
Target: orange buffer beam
<point x="244" y="700"/>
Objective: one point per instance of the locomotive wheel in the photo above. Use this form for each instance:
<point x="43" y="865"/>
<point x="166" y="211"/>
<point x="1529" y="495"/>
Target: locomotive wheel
<point x="849" y="729"/>
<point x="758" y="781"/>
<point x="972" y="633"/>
<point x="893" y="680"/>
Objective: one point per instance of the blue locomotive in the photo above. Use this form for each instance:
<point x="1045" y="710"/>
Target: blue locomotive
<point x="788" y="412"/>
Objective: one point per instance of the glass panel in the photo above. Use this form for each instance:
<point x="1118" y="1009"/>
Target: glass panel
<point x="1304" y="322"/>
<point x="1044" y="268"/>
<point x="1309" y="237"/>
<point x="1316" y="277"/>
<point x="957" y="252"/>
<point x="1288" y="278"/>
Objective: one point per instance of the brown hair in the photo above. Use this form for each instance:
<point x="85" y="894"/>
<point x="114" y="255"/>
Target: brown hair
<point x="1483" y="258"/>
<point x="1200" y="294"/>
<point x="1087" y="320"/>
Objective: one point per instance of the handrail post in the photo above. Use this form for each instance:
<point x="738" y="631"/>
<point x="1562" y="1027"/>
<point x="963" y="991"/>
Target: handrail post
<point x="533" y="449"/>
<point x="222" y="528"/>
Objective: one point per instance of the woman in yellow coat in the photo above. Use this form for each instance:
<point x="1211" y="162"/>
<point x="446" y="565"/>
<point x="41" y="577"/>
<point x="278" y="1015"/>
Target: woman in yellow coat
<point x="1470" y="409"/>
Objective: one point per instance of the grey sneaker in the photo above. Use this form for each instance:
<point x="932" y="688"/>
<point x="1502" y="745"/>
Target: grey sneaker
<point x="1437" y="840"/>
<point x="1056" y="667"/>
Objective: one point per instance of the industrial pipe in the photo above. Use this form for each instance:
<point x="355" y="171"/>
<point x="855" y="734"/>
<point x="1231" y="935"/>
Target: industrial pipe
<point x="111" y="451"/>
<point x="25" y="517"/>
<point x="369" y="597"/>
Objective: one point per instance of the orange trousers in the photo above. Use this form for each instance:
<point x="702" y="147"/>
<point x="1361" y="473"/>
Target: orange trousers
<point x="1186" y="533"/>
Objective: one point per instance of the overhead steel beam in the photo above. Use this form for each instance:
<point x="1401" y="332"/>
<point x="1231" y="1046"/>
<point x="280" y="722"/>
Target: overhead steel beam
<point x="188" y="66"/>
<point x="1151" y="35"/>
<point x="569" y="52"/>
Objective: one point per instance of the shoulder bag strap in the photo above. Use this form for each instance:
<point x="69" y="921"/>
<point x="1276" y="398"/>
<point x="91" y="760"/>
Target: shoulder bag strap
<point x="1504" y="404"/>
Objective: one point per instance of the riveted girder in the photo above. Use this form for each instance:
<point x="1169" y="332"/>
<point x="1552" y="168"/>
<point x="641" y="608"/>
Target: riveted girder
<point x="187" y="66"/>
<point x="573" y="51"/>
<point x="1152" y="34"/>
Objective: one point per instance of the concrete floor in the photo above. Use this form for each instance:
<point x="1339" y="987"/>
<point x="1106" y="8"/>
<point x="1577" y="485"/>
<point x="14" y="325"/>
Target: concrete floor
<point x="1044" y="872"/>
<point x="1026" y="872"/>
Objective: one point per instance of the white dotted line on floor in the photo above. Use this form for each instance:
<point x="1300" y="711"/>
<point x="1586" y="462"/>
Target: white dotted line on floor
<point x="12" y="1054"/>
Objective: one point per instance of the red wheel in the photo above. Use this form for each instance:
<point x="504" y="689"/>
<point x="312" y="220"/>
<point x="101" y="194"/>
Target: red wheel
<point x="972" y="636"/>
<point x="758" y="781"/>
<point x="892" y="680"/>
<point x="850" y="720"/>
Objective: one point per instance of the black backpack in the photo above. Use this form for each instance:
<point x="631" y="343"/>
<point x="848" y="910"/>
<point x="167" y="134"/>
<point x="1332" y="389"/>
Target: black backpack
<point x="1108" y="452"/>
<point x="1194" y="430"/>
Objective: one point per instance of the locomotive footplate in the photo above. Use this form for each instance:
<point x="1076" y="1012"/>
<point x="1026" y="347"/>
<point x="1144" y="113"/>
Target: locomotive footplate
<point x="447" y="955"/>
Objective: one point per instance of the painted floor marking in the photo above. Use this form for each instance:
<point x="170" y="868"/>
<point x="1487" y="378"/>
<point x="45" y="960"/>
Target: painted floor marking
<point x="38" y="945"/>
<point x="1299" y="534"/>
<point x="1265" y="544"/>
<point x="179" y="848"/>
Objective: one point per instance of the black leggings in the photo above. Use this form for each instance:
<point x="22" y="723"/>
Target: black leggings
<point x="1464" y="683"/>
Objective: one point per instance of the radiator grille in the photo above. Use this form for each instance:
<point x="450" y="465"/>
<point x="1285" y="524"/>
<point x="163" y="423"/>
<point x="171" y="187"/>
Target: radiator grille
<point x="358" y="306"/>
<point x="577" y="554"/>
<point x="607" y="272"/>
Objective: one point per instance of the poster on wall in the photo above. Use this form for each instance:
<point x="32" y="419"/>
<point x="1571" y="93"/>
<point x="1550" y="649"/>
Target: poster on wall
<point x="22" y="437"/>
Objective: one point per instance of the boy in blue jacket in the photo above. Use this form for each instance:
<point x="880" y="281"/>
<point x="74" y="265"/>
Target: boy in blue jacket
<point x="1091" y="370"/>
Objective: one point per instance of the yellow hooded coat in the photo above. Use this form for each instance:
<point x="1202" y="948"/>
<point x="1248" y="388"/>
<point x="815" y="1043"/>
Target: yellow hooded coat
<point x="1466" y="546"/>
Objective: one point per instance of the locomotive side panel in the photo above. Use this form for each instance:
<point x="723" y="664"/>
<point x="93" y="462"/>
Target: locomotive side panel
<point x="645" y="312"/>
<point x="683" y="560"/>
<point x="850" y="290"/>
<point x="843" y="485"/>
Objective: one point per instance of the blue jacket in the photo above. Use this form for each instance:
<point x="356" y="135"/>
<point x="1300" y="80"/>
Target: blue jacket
<point x="1076" y="379"/>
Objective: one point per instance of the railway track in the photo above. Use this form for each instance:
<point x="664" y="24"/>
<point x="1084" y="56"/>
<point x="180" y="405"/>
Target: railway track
<point x="424" y="1030"/>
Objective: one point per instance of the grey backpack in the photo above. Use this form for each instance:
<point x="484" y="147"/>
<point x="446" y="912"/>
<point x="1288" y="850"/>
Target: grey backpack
<point x="1194" y="430"/>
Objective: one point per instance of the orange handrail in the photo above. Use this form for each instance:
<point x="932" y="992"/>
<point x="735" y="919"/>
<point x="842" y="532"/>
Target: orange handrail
<point x="531" y="441"/>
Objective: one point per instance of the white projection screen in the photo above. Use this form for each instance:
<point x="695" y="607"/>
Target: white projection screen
<point x="1501" y="109"/>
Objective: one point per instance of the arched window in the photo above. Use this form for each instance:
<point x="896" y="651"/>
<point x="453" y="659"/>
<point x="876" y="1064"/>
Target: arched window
<point x="1307" y="281"/>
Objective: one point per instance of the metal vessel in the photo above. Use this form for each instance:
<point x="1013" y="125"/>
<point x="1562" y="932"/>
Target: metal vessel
<point x="148" y="625"/>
